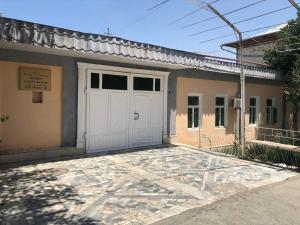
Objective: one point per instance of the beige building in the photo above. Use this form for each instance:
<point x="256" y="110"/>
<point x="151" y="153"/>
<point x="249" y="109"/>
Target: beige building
<point x="217" y="116"/>
<point x="68" y="92"/>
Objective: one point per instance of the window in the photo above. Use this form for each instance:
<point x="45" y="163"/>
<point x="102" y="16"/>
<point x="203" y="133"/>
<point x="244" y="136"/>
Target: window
<point x="142" y="84"/>
<point x="146" y="84"/>
<point x="275" y="115"/>
<point x="271" y="112"/>
<point x="253" y="111"/>
<point x="114" y="82"/>
<point x="157" y="84"/>
<point x="194" y="111"/>
<point x="220" y="112"/>
<point x="95" y="78"/>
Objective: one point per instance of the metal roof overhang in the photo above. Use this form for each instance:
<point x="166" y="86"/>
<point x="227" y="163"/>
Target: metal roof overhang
<point x="92" y="56"/>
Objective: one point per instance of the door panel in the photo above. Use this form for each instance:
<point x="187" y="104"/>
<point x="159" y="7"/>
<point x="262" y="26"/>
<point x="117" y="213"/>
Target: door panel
<point x="119" y="115"/>
<point x="97" y="127"/>
<point x="108" y="120"/>
<point x="142" y="123"/>
<point x="156" y="119"/>
<point x="147" y="129"/>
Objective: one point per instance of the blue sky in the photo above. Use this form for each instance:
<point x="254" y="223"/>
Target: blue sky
<point x="129" y="19"/>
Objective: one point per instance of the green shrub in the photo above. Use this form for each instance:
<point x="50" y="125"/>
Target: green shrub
<point x="266" y="154"/>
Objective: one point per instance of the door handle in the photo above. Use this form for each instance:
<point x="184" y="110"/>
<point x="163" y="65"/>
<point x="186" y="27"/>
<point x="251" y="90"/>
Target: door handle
<point x="136" y="116"/>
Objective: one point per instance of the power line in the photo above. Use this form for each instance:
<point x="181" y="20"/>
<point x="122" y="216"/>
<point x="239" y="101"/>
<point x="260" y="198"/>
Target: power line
<point x="148" y="12"/>
<point x="191" y="13"/>
<point x="158" y="5"/>
<point x="242" y="21"/>
<point x="247" y="31"/>
<point x="230" y="12"/>
<point x="216" y="38"/>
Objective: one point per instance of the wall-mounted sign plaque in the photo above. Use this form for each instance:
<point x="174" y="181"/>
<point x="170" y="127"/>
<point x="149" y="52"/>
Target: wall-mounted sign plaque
<point x="34" y="79"/>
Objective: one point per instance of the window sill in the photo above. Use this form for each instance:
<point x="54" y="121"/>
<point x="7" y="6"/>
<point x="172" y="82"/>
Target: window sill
<point x="220" y="128"/>
<point x="252" y="125"/>
<point x="193" y="129"/>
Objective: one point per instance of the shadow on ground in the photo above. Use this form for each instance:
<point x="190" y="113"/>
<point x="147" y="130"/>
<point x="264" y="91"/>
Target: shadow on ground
<point x="31" y="196"/>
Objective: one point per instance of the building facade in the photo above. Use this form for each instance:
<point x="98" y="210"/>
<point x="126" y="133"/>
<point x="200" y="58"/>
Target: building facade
<point x="75" y="92"/>
<point x="254" y="47"/>
<point x="253" y="52"/>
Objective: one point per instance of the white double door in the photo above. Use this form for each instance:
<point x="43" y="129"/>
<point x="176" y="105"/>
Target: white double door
<point x="122" y="119"/>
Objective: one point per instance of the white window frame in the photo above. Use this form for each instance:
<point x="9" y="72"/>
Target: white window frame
<point x="225" y="110"/>
<point x="199" y="106"/>
<point x="257" y="99"/>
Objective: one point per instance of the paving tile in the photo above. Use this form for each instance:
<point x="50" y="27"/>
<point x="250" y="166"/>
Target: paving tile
<point x="133" y="188"/>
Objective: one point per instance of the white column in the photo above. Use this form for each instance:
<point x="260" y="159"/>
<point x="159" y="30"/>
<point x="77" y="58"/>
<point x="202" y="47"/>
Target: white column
<point x="81" y="105"/>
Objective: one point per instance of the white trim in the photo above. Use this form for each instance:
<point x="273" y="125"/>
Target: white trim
<point x="225" y="110"/>
<point x="121" y="69"/>
<point x="82" y="106"/>
<point x="200" y="106"/>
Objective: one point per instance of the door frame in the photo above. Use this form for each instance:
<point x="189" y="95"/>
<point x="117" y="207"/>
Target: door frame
<point x="83" y="99"/>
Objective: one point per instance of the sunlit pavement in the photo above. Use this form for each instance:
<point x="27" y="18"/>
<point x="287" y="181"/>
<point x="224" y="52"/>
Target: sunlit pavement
<point x="132" y="188"/>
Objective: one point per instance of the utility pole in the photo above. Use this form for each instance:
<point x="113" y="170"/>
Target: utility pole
<point x="242" y="77"/>
<point x="296" y="6"/>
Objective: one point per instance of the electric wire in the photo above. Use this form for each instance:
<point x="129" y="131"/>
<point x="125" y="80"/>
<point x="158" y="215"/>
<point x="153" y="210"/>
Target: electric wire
<point x="148" y="12"/>
<point x="247" y="31"/>
<point x="158" y="5"/>
<point x="242" y="21"/>
<point x="191" y="13"/>
<point x="228" y="13"/>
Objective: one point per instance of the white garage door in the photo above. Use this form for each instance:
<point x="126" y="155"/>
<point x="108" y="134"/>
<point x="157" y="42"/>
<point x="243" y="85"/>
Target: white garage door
<point x="123" y="110"/>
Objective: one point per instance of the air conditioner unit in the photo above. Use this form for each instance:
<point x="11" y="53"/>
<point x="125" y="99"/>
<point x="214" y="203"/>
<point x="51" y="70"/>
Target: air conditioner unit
<point x="235" y="103"/>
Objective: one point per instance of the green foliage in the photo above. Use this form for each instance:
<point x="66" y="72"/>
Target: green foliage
<point x="284" y="57"/>
<point x="266" y="155"/>
<point x="234" y="150"/>
<point x="273" y="155"/>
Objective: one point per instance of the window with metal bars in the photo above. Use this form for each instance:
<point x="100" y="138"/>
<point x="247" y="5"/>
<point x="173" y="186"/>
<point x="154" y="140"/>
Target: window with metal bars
<point x="193" y="111"/>
<point x="253" y="111"/>
<point x="220" y="112"/>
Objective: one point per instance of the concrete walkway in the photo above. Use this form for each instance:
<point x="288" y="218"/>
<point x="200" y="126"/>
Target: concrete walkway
<point x="269" y="205"/>
<point x="132" y="188"/>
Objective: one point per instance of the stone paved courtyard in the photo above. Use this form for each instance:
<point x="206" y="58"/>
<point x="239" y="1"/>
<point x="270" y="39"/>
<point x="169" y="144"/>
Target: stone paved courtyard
<point x="132" y="188"/>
